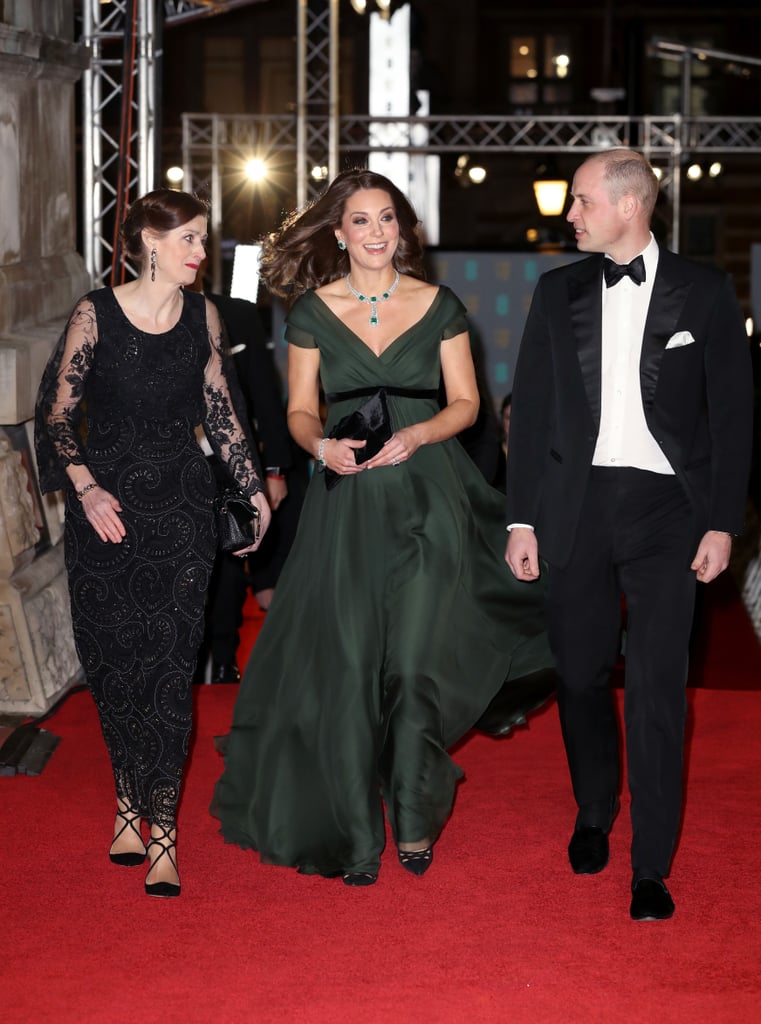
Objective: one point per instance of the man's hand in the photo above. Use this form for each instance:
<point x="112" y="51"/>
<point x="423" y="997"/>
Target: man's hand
<point x="522" y="554"/>
<point x="712" y="556"/>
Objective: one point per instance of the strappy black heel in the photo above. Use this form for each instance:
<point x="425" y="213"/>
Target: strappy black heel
<point x="166" y="846"/>
<point x="132" y="859"/>
<point x="416" y="862"/>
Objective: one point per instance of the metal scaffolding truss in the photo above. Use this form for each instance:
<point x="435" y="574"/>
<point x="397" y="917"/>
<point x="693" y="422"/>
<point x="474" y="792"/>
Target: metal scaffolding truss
<point x="120" y="119"/>
<point x="657" y="136"/>
<point x="208" y="138"/>
<point x="117" y="122"/>
<point x="120" y="122"/>
<point x="317" y="95"/>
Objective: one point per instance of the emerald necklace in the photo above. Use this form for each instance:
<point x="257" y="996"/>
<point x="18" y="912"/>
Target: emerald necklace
<point x="373" y="300"/>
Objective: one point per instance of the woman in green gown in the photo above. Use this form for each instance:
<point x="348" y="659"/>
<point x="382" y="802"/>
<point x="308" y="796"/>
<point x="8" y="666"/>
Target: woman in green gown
<point x="395" y="622"/>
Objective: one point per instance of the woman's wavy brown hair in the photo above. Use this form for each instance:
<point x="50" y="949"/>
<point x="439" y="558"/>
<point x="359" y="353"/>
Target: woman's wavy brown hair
<point x="303" y="252"/>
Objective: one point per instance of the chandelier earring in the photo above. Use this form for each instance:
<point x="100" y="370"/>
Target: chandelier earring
<point x="153" y="264"/>
<point x="342" y="245"/>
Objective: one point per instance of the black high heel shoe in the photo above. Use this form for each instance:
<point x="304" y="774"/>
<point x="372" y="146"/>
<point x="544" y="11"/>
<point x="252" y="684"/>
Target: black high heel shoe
<point x="166" y="846"/>
<point x="416" y="862"/>
<point x="359" y="878"/>
<point x="132" y="859"/>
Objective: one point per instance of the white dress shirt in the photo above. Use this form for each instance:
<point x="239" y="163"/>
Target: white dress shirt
<point x="624" y="438"/>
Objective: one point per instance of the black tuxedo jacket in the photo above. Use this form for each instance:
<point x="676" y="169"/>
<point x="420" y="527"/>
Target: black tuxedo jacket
<point x="258" y="378"/>
<point x="697" y="397"/>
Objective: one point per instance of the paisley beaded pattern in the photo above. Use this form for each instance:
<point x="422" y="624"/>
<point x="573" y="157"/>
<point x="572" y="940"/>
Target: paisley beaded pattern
<point x="138" y="606"/>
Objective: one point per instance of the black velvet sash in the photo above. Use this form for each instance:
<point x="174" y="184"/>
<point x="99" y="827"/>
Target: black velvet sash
<point x="342" y="396"/>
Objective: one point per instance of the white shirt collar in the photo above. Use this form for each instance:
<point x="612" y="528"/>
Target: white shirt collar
<point x="649" y="254"/>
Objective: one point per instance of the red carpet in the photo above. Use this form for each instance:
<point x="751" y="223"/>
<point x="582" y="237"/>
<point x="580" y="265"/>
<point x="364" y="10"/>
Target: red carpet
<point x="499" y="930"/>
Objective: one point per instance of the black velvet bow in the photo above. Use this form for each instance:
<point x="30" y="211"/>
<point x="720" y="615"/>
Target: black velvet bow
<point x="615" y="271"/>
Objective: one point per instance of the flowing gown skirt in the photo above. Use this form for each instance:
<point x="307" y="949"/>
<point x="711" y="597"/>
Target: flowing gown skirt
<point x="394" y="624"/>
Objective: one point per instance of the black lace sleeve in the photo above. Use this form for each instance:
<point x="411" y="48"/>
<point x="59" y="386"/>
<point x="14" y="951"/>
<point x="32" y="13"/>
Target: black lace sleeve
<point x="58" y="411"/>
<point x="225" y="412"/>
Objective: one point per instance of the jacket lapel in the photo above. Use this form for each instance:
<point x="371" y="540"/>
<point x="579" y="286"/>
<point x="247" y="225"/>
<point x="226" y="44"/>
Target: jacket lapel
<point x="584" y="290"/>
<point x="670" y="291"/>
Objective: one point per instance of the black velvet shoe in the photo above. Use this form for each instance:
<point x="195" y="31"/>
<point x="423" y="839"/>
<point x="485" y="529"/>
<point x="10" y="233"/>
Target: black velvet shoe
<point x="416" y="861"/>
<point x="359" y="878"/>
<point x="651" y="901"/>
<point x="588" y="850"/>
<point x="224" y="672"/>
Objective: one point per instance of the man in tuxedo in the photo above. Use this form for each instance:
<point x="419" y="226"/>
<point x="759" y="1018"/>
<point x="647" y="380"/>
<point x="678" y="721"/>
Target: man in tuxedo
<point x="627" y="472"/>
<point x="286" y="478"/>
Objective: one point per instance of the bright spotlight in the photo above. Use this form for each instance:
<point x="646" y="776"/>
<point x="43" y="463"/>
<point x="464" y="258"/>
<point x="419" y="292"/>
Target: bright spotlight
<point x="174" y="175"/>
<point x="694" y="172"/>
<point x="715" y="169"/>
<point x="256" y="169"/>
<point x="477" y="174"/>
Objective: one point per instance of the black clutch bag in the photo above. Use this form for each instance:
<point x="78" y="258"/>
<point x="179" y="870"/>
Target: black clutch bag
<point x="238" y="522"/>
<point x="371" y="423"/>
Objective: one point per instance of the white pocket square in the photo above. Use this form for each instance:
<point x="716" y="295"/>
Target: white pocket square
<point x="679" y="339"/>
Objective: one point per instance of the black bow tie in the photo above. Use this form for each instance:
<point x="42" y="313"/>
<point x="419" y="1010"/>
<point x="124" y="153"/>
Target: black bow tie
<point x="615" y="271"/>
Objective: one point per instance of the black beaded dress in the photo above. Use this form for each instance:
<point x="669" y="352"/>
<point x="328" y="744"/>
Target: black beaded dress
<point x="138" y="606"/>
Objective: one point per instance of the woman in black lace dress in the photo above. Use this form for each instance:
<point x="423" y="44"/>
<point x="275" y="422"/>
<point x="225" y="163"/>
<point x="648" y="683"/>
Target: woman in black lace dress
<point x="142" y="365"/>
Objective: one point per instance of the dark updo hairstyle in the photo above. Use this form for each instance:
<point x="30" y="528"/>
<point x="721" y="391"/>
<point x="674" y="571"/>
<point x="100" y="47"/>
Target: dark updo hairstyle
<point x="161" y="210"/>
<point x="303" y="252"/>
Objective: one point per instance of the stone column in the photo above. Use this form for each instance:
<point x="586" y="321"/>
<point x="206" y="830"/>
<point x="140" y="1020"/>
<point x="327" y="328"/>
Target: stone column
<point x="41" y="276"/>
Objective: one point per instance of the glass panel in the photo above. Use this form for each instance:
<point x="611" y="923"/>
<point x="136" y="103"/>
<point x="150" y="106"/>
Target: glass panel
<point x="524" y="57"/>
<point x="556" y="93"/>
<point x="557" y="56"/>
<point x="521" y="95"/>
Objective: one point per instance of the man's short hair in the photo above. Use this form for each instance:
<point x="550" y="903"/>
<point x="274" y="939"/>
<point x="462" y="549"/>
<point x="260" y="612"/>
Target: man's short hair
<point x="627" y="172"/>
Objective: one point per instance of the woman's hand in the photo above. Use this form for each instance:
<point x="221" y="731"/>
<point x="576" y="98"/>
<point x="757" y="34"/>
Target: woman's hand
<point x="338" y="455"/>
<point x="399" y="447"/>
<point x="101" y="509"/>
<point x="265" y="516"/>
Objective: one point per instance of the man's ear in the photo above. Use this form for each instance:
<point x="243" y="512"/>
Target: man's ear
<point x="629" y="206"/>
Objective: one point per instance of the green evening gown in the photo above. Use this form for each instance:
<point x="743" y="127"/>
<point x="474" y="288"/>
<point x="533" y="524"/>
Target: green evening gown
<point x="394" y="624"/>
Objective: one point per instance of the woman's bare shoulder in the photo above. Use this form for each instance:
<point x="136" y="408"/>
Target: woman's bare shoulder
<point x="421" y="287"/>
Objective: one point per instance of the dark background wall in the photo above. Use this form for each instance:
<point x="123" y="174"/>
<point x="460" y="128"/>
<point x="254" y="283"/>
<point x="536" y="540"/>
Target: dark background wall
<point x="467" y="55"/>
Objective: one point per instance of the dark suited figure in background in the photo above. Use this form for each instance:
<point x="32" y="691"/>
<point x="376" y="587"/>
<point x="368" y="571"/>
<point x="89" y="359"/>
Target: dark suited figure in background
<point x="627" y="471"/>
<point x="286" y="477"/>
<point x="505" y="412"/>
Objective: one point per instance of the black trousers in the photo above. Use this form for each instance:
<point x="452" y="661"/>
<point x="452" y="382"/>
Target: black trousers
<point x="634" y="539"/>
